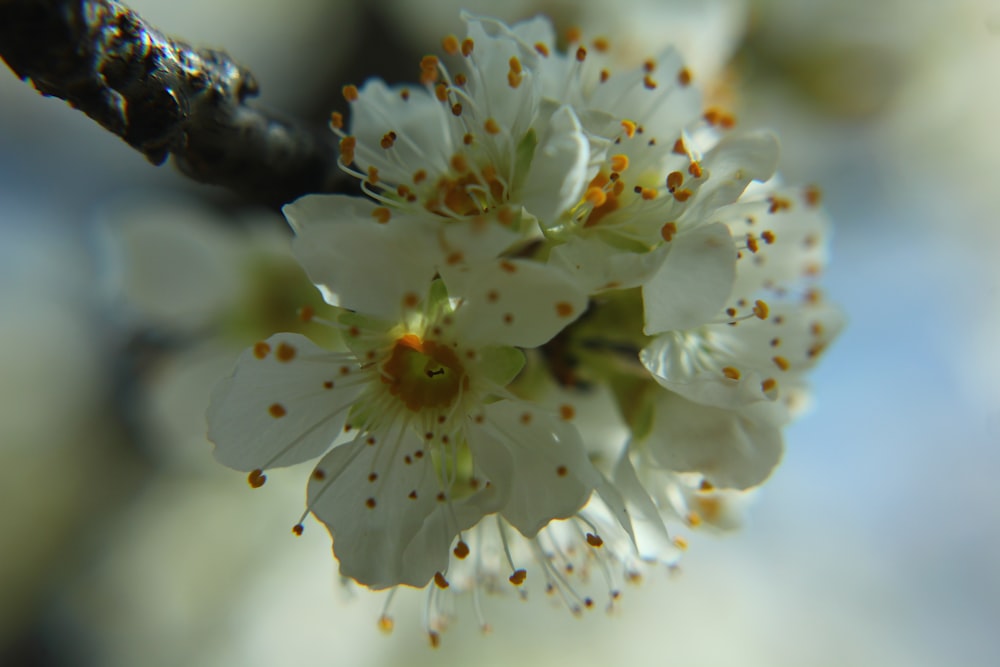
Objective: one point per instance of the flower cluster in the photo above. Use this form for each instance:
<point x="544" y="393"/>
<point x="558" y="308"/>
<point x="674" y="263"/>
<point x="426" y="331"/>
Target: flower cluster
<point x="574" y="307"/>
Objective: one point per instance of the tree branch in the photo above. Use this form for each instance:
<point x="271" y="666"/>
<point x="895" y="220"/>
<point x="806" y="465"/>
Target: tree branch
<point x="164" y="98"/>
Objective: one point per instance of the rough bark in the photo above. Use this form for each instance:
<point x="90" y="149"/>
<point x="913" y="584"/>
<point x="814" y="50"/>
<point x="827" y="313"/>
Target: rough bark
<point x="164" y="97"/>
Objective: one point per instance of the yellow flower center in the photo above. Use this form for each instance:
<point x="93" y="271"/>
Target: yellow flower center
<point x="423" y="374"/>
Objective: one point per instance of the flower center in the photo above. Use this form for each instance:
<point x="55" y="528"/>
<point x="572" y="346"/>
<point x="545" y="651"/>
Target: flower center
<point x="423" y="374"/>
<point x="469" y="193"/>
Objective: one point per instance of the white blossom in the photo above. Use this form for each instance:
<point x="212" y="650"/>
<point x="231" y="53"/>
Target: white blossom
<point x="433" y="442"/>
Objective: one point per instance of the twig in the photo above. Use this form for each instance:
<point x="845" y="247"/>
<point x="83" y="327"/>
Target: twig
<point x="164" y="97"/>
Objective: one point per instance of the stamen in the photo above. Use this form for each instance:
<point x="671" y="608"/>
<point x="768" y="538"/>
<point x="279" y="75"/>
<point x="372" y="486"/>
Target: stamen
<point x="619" y="163"/>
<point x="256" y="478"/>
<point x="450" y="45"/>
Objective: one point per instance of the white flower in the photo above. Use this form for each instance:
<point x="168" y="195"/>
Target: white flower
<point x="468" y="143"/>
<point x="547" y="244"/>
<point x="434" y="450"/>
<point x="734" y="381"/>
<point x="660" y="170"/>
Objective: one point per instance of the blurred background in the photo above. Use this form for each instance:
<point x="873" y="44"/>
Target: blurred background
<point x="126" y="291"/>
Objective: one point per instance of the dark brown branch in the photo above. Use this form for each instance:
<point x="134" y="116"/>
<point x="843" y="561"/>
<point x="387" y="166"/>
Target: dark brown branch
<point x="163" y="97"/>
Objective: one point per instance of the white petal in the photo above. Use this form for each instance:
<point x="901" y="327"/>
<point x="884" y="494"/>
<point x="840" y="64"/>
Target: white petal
<point x="444" y="523"/>
<point x="546" y="473"/>
<point x="370" y="266"/>
<point x="374" y="504"/>
<point x="798" y="241"/>
<point x="730" y="166"/>
<point x="513" y="302"/>
<point x="285" y="403"/>
<point x="731" y="449"/>
<point x="558" y="171"/>
<point x="597" y="266"/>
<point x="694" y="281"/>
<point x="513" y="108"/>
<point x="673" y="361"/>
<point x="649" y="531"/>
<point x="419" y="121"/>
<point x="477" y="239"/>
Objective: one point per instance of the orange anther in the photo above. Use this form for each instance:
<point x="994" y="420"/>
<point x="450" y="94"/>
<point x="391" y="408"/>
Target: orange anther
<point x="337" y="120"/>
<point x="256" y="478"/>
<point x="518" y="577"/>
<point x="277" y="410"/>
<point x="285" y="352"/>
<point x="596" y="196"/>
<point x="350" y="92"/>
<point x="684" y="76"/>
<point x="619" y="162"/>
<point x="564" y="309"/>
<point x="781" y="363"/>
<point x="261" y="349"/>
<point x="594" y="540"/>
<point x="731" y="373"/>
<point x="778" y="204"/>
<point x="467" y="46"/>
<point x="382" y="214"/>
<point x="347" y="145"/>
<point x="440" y="581"/>
<point x="459" y="163"/>
<point x="542" y="49"/>
<point x="461" y="550"/>
<point x="450" y="45"/>
<point x="629" y="128"/>
<point x="761" y="309"/>
<point x="668" y="231"/>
